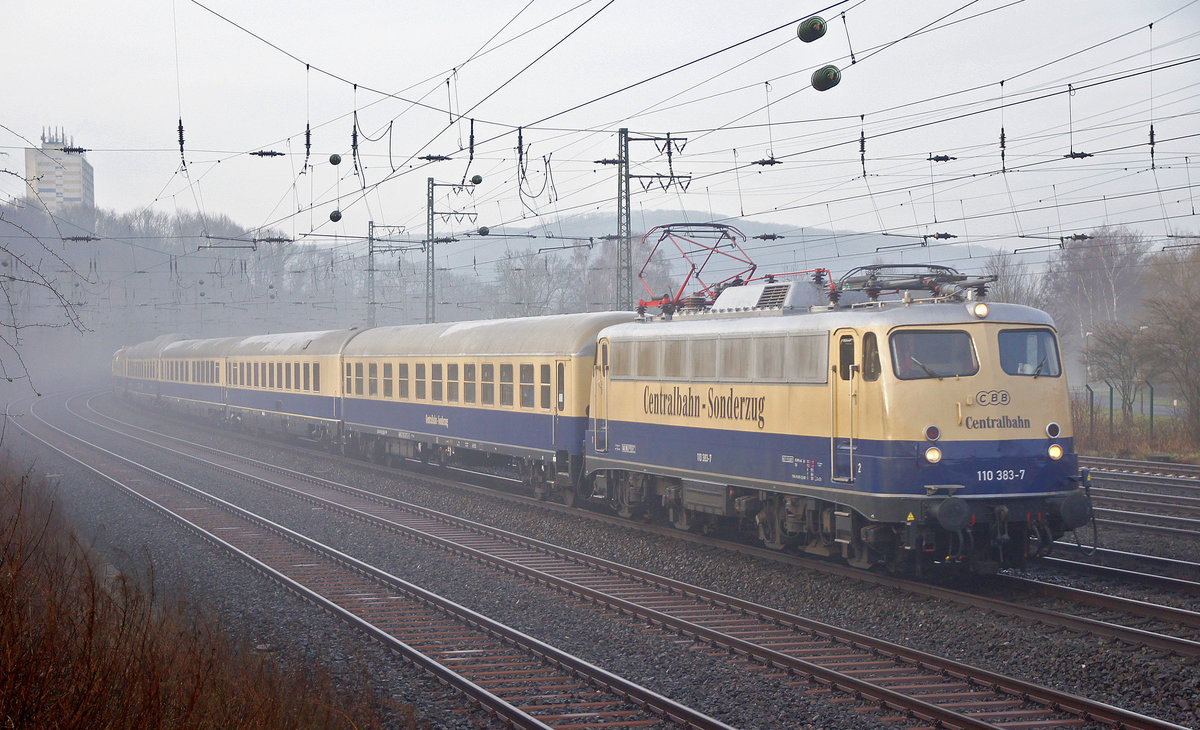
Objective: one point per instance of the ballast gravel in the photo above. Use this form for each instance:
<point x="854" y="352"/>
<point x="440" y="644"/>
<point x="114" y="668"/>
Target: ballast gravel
<point x="1139" y="680"/>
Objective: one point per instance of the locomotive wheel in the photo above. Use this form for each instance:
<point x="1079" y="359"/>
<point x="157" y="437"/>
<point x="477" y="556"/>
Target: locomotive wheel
<point x="770" y="526"/>
<point x="683" y="518"/>
<point x="622" y="497"/>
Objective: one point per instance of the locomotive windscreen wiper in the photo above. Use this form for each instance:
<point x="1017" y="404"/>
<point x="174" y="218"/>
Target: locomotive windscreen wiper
<point x="924" y="367"/>
<point x="1038" y="370"/>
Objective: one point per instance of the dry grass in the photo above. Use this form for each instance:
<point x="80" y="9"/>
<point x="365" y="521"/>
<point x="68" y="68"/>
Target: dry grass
<point x="80" y="651"/>
<point x="1131" y="439"/>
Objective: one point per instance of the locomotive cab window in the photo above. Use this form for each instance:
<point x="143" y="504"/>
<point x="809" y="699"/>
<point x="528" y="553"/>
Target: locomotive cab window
<point x="924" y="354"/>
<point x="1029" y="352"/>
<point x="845" y="356"/>
<point x="871" y="366"/>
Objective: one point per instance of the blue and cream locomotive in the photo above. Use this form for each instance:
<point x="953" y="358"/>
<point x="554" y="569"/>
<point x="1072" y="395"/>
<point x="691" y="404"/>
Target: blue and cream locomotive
<point x="902" y="431"/>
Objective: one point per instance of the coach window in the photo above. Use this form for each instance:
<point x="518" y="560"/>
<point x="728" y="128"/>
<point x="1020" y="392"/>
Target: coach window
<point x="506" y="385"/>
<point x="527" y="386"/>
<point x="923" y="354"/>
<point x="256" y="373"/>
<point x="468" y="382"/>
<point x="316" y="377"/>
<point x="871" y="366"/>
<point x="307" y="376"/>
<point x="436" y="377"/>
<point x="387" y="380"/>
<point x="1029" y="352"/>
<point x="545" y="387"/>
<point x="487" y="388"/>
<point x="287" y="375"/>
<point x="373" y="379"/>
<point x="349" y="378"/>
<point x="452" y="382"/>
<point x="420" y="376"/>
<point x="403" y="370"/>
<point x="358" y="378"/>
<point x="296" y="376"/>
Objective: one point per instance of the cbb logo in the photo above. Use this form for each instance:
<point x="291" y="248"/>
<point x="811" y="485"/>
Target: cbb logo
<point x="992" y="398"/>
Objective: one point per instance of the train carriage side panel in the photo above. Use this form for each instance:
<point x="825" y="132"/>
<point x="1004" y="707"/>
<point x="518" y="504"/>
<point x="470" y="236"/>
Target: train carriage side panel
<point x="192" y="374"/>
<point x="515" y="386"/>
<point x="287" y="379"/>
<point x="142" y="367"/>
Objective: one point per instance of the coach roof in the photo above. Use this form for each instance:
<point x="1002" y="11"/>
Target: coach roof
<point x="556" y="334"/>
<point x="294" y="344"/>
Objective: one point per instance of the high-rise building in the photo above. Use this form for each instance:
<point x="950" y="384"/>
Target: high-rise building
<point x="57" y="174"/>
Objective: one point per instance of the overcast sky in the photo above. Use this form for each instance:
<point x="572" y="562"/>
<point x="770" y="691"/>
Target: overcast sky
<point x="925" y="77"/>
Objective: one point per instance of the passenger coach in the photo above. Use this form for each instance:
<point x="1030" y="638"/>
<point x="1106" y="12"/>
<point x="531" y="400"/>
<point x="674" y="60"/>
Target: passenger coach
<point x="517" y="387"/>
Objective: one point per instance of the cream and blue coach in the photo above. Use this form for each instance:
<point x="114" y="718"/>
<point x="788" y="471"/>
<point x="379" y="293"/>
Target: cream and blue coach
<point x="517" y="387"/>
<point x="289" y="381"/>
<point x="136" y="368"/>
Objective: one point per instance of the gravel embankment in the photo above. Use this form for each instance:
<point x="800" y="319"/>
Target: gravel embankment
<point x="1139" y="680"/>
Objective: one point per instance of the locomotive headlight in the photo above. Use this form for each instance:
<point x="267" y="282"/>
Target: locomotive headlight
<point x="932" y="433"/>
<point x="979" y="309"/>
<point x="1053" y="430"/>
<point x="1055" y="452"/>
<point x="933" y="454"/>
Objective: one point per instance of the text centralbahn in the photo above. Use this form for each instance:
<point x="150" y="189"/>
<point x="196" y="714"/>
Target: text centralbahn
<point x="997" y="422"/>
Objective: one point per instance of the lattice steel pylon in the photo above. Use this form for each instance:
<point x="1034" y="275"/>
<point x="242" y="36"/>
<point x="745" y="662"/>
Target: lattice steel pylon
<point x="624" y="292"/>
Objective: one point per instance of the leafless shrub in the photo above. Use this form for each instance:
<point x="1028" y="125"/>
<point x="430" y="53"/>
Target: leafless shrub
<point x="79" y="650"/>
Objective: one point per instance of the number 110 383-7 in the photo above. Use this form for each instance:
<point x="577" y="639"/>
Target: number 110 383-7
<point x="999" y="475"/>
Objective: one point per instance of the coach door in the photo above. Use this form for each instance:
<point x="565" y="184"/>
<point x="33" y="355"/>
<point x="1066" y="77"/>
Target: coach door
<point x="600" y="398"/>
<point x="560" y="399"/>
<point x="843" y="393"/>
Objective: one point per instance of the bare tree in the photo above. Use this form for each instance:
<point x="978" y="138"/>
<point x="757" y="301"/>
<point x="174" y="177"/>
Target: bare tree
<point x="1095" y="280"/>
<point x="1118" y="354"/>
<point x="38" y="284"/>
<point x="531" y="283"/>
<point x="1014" y="282"/>
<point x="1173" y="327"/>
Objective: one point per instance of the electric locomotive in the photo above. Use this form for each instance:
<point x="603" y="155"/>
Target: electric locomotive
<point x="900" y="432"/>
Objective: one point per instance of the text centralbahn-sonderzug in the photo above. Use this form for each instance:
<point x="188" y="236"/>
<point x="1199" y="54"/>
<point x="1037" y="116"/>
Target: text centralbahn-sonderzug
<point x="688" y="404"/>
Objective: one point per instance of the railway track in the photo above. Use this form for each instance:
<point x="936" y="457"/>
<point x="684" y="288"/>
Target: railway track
<point x="899" y="680"/>
<point x="1146" y="496"/>
<point x="1135" y="466"/>
<point x="518" y="680"/>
